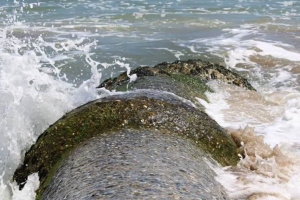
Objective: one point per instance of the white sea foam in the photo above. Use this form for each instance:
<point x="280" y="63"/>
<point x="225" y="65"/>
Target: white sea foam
<point x="274" y="112"/>
<point x="239" y="49"/>
<point x="176" y="53"/>
<point x="28" y="192"/>
<point x="285" y="129"/>
<point x="287" y="3"/>
<point x="274" y="50"/>
<point x="30" y="100"/>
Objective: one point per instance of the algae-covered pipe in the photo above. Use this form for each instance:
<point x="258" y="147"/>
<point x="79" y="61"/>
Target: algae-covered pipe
<point x="148" y="143"/>
<point x="162" y="112"/>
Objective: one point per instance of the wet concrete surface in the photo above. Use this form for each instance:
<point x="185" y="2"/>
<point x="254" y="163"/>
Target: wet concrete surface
<point x="135" y="164"/>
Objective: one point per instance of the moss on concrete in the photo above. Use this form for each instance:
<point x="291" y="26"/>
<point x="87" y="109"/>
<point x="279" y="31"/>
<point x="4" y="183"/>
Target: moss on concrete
<point x="194" y="87"/>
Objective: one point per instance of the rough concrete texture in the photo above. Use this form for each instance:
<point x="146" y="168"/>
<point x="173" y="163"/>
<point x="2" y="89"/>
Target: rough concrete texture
<point x="135" y="164"/>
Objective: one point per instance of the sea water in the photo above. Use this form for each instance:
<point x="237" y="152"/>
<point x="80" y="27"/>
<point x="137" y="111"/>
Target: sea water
<point x="54" y="53"/>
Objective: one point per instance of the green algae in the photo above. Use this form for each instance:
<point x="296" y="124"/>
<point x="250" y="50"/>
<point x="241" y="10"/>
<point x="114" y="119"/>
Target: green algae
<point x="206" y="71"/>
<point x="195" y="87"/>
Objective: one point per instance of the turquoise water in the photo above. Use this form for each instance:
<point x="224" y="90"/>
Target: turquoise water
<point x="54" y="53"/>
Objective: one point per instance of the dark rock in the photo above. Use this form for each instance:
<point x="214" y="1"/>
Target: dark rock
<point x="202" y="70"/>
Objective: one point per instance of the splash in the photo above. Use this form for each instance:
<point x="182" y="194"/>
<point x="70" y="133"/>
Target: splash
<point x="31" y="99"/>
<point x="269" y="148"/>
<point x="33" y="94"/>
<point x="258" y="156"/>
<point x="28" y="192"/>
<point x="262" y="173"/>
